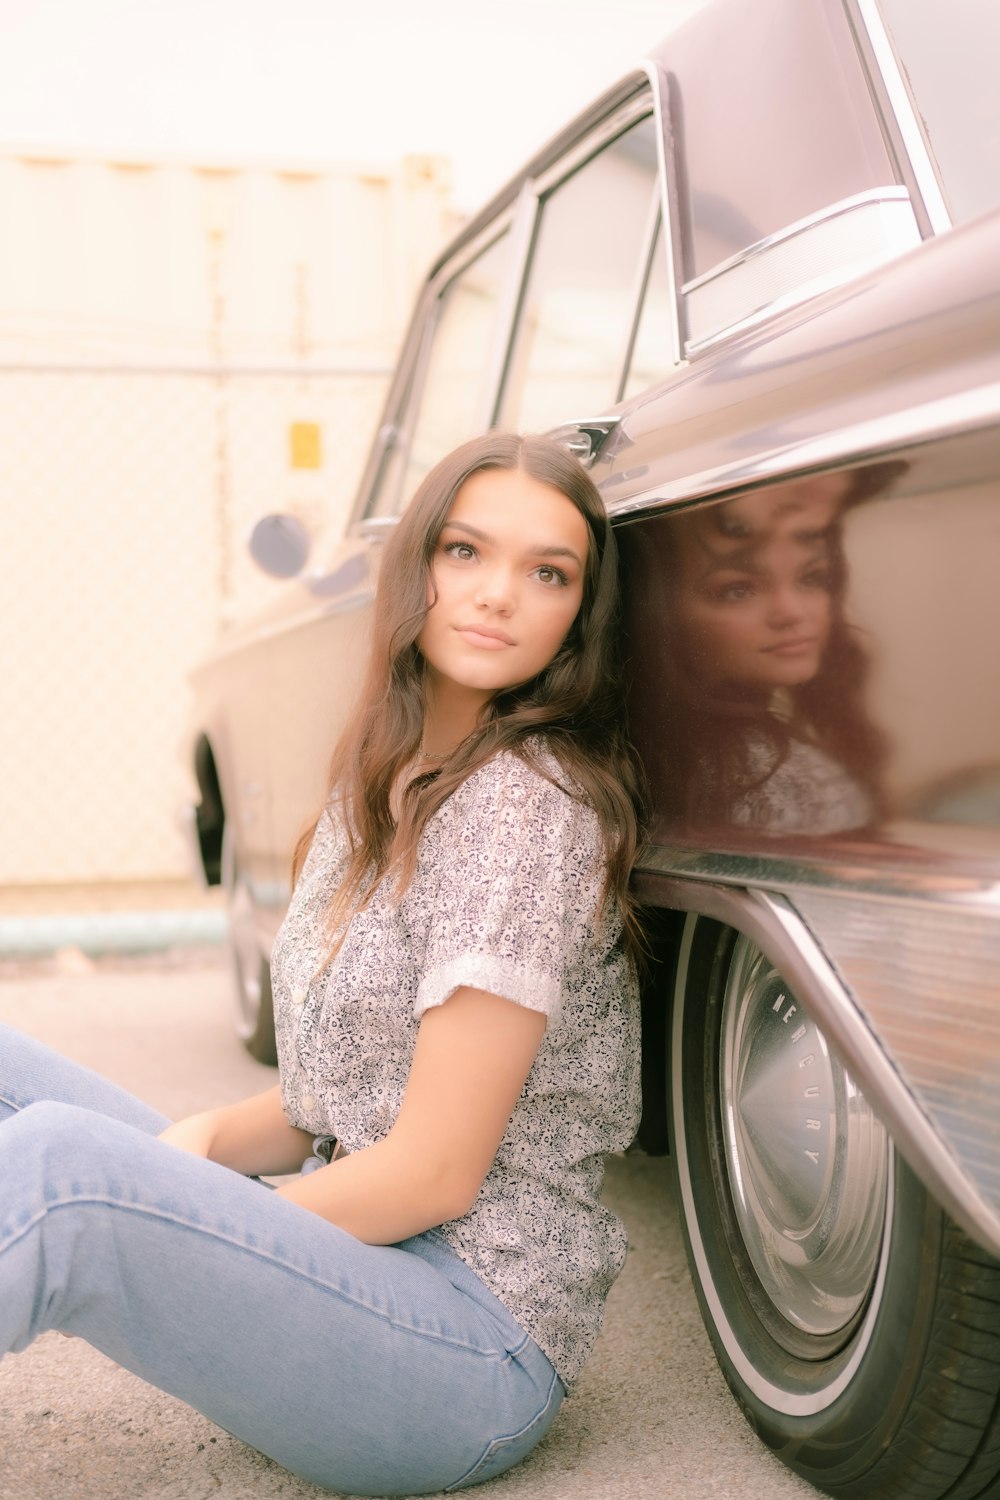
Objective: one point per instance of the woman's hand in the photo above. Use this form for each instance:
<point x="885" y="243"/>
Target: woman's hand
<point x="196" y="1134"/>
<point x="470" y="1062"/>
<point x="252" y="1137"/>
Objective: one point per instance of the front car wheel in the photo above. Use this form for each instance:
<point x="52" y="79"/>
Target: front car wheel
<point x="250" y="967"/>
<point x="856" y="1325"/>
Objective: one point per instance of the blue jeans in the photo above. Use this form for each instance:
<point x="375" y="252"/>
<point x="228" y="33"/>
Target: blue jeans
<point x="370" y="1369"/>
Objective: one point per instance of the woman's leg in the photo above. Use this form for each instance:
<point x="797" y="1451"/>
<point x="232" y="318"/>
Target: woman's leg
<point x="372" y="1370"/>
<point x="30" y="1071"/>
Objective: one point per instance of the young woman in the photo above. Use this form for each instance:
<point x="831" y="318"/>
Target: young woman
<point x="759" y="725"/>
<point x="455" y="1005"/>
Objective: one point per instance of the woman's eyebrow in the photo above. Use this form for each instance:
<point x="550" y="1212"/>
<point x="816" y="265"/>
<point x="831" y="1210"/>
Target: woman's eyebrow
<point x="542" y="549"/>
<point x="555" y="551"/>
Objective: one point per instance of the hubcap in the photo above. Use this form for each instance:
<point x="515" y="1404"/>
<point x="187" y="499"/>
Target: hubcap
<point x="807" y="1159"/>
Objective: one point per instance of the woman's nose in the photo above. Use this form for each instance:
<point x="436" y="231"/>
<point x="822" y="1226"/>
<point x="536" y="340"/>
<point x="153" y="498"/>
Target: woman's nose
<point x="495" y="591"/>
<point x="787" y="607"/>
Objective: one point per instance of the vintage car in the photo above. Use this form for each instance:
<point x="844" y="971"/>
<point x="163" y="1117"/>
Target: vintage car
<point x="756" y="289"/>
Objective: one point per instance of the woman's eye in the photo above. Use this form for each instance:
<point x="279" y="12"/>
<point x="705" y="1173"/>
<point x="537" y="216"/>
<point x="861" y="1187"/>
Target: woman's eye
<point x="819" y="579"/>
<point x="463" y="551"/>
<point x="736" y="593"/>
<point x="555" y="577"/>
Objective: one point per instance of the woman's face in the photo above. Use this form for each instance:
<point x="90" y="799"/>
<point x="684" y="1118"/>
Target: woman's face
<point x="753" y="600"/>
<point x="507" y="578"/>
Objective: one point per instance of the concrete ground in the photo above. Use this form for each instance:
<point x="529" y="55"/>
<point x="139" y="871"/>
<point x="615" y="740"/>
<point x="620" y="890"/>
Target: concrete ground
<point x="651" y="1418"/>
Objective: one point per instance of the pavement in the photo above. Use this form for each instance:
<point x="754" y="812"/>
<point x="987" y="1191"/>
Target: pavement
<point x="651" y="1418"/>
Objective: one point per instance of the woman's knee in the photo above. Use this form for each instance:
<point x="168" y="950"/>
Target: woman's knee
<point x="63" y="1151"/>
<point x="50" y="1122"/>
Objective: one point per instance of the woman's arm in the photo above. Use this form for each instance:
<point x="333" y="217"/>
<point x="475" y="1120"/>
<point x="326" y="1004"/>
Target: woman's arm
<point x="470" y="1062"/>
<point x="251" y="1137"/>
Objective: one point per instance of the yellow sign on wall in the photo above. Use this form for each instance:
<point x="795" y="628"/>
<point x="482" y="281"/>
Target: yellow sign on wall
<point x="305" y="445"/>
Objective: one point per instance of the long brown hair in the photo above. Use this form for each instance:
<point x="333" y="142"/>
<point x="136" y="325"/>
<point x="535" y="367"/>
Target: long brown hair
<point x="576" y="704"/>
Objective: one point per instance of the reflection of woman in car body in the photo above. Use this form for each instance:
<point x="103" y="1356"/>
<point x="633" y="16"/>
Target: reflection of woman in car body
<point x="455" y="1003"/>
<point x="760" y="718"/>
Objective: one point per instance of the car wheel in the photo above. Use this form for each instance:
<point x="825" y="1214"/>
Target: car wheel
<point x="855" y="1323"/>
<point x="250" y="966"/>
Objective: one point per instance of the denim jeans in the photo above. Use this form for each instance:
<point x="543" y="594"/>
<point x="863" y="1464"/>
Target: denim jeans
<point x="369" y="1369"/>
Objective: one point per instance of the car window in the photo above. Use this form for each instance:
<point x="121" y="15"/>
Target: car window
<point x="450" y="398"/>
<point x="785" y="182"/>
<point x="650" y="358"/>
<point x="954" y="92"/>
<point x="577" y="310"/>
<point x="785" y="131"/>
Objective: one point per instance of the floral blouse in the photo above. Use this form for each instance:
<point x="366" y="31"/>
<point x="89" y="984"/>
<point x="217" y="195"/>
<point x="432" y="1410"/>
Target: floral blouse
<point x="504" y="898"/>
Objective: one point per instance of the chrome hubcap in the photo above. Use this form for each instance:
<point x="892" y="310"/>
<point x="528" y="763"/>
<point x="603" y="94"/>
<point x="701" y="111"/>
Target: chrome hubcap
<point x="807" y="1159"/>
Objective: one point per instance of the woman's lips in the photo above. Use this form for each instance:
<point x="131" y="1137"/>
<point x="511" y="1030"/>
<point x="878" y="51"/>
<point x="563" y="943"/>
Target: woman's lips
<point x="805" y="645"/>
<point x="489" y="640"/>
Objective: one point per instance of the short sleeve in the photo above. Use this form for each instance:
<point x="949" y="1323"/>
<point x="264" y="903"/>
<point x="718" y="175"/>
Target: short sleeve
<point x="518" y="876"/>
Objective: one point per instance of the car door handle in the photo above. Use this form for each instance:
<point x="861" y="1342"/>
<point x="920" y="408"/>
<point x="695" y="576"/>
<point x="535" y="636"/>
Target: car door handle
<point x="585" y="439"/>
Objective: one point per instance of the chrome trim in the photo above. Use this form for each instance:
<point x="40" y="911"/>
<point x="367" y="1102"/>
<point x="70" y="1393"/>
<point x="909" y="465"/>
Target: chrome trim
<point x="662" y="99"/>
<point x="585" y="438"/>
<point x="392" y="432"/>
<point x="806" y="292"/>
<point x="410" y="404"/>
<point x="926" y="984"/>
<point x="795" y="266"/>
<point x="593" y="141"/>
<point x="640" y="286"/>
<point x="643" y="104"/>
<point x="917" y="426"/>
<point x="522" y="231"/>
<point x="894" y="194"/>
<point x="901" y="103"/>
<point x="767" y="872"/>
<point x="770" y="921"/>
<point x="665" y="214"/>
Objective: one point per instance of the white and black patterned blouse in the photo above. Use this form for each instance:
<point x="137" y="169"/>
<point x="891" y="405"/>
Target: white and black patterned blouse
<point x="504" y="899"/>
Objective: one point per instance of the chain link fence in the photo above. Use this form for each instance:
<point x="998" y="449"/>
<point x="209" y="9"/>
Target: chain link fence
<point x="126" y="497"/>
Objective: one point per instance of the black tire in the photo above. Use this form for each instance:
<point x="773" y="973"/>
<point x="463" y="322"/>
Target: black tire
<point x="870" y="1363"/>
<point x="250" y="966"/>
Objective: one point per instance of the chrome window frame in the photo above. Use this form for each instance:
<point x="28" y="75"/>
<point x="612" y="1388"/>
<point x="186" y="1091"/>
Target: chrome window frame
<point x="664" y="214"/>
<point x="823" y="279"/>
<point x="900" y="122"/>
<point x="646" y="101"/>
<point x="894" y="110"/>
<point x="641" y="286"/>
<point x="394" y="434"/>
<point x="521" y="218"/>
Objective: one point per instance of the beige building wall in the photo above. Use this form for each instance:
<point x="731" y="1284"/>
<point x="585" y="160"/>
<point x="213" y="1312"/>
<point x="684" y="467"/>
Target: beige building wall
<point x="183" y="346"/>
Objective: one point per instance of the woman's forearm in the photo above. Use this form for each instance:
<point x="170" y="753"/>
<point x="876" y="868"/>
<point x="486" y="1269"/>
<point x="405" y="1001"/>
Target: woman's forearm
<point x="382" y="1194"/>
<point x="253" y="1136"/>
<point x="470" y="1061"/>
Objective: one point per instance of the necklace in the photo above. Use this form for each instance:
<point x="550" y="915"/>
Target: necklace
<point x="431" y="755"/>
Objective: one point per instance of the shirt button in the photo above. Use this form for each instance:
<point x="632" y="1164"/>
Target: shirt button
<point x="298" y="997"/>
<point x="308" y="1101"/>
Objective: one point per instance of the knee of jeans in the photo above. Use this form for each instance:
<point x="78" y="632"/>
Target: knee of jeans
<point x="63" y="1134"/>
<point x="50" y="1118"/>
